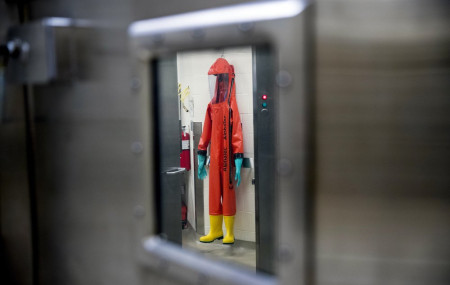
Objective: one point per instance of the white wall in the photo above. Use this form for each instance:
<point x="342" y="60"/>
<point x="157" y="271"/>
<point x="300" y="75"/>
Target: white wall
<point x="193" y="72"/>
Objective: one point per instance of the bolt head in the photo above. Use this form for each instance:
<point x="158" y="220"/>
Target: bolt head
<point x="284" y="167"/>
<point x="137" y="147"/>
<point x="139" y="211"/>
<point x="283" y="79"/>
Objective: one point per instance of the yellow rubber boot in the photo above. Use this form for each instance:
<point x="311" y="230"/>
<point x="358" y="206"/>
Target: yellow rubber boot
<point x="215" y="232"/>
<point x="229" y="225"/>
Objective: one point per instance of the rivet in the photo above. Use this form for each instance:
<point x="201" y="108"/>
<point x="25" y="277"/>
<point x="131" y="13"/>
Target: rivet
<point x="285" y="254"/>
<point x="283" y="79"/>
<point x="139" y="211"/>
<point x="157" y="39"/>
<point x="245" y="27"/>
<point x="198" y="34"/>
<point x="137" y="147"/>
<point x="284" y="167"/>
<point x="135" y="84"/>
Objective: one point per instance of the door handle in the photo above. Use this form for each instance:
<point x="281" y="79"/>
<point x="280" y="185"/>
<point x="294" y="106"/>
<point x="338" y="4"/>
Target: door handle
<point x="175" y="171"/>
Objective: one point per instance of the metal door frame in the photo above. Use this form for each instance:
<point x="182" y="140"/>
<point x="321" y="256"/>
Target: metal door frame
<point x="265" y="133"/>
<point x="285" y="27"/>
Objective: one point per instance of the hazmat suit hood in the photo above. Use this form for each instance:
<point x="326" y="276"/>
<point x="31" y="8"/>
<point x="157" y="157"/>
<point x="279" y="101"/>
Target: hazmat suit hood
<point x="220" y="75"/>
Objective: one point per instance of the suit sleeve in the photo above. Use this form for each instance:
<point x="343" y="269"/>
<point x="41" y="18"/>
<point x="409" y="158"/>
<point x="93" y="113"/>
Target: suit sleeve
<point x="237" y="141"/>
<point x="206" y="134"/>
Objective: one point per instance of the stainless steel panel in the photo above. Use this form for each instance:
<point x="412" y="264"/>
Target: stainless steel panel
<point x="170" y="203"/>
<point x="16" y="231"/>
<point x="168" y="148"/>
<point x="90" y="181"/>
<point x="166" y="113"/>
<point x="383" y="140"/>
<point x="16" y="239"/>
<point x="265" y="120"/>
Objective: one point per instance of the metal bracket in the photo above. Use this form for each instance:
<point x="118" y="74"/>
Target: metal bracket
<point x="248" y="162"/>
<point x="43" y="51"/>
<point x="175" y="171"/>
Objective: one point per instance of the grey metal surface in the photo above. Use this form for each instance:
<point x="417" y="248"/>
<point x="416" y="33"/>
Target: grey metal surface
<point x="52" y="51"/>
<point x="90" y="180"/>
<point x="265" y="156"/>
<point x="168" y="148"/>
<point x="383" y="140"/>
<point x="16" y="252"/>
<point x="170" y="203"/>
<point x="16" y="235"/>
<point x="198" y="183"/>
<point x="176" y="171"/>
<point x="166" y="113"/>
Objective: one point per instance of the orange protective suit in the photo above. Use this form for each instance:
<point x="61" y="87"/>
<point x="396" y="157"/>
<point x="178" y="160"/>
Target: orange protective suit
<point x="223" y="128"/>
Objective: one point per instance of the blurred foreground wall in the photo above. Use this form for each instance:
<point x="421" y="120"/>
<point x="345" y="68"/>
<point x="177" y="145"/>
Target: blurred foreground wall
<point x="382" y="148"/>
<point x="383" y="142"/>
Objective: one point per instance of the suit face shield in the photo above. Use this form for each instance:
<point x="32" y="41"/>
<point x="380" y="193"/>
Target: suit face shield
<point x="218" y="87"/>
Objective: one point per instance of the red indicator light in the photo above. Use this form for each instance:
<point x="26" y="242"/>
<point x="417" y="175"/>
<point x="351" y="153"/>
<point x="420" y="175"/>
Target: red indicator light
<point x="264" y="97"/>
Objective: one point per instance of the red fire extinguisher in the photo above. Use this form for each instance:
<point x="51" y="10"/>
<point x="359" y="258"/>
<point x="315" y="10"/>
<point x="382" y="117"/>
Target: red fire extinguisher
<point x="185" y="156"/>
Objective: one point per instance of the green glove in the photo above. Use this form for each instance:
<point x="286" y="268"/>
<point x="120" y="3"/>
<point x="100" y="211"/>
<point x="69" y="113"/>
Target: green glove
<point x="238" y="163"/>
<point x="201" y="167"/>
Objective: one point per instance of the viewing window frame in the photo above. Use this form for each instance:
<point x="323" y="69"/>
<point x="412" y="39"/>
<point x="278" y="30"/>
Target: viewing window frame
<point x="288" y="37"/>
